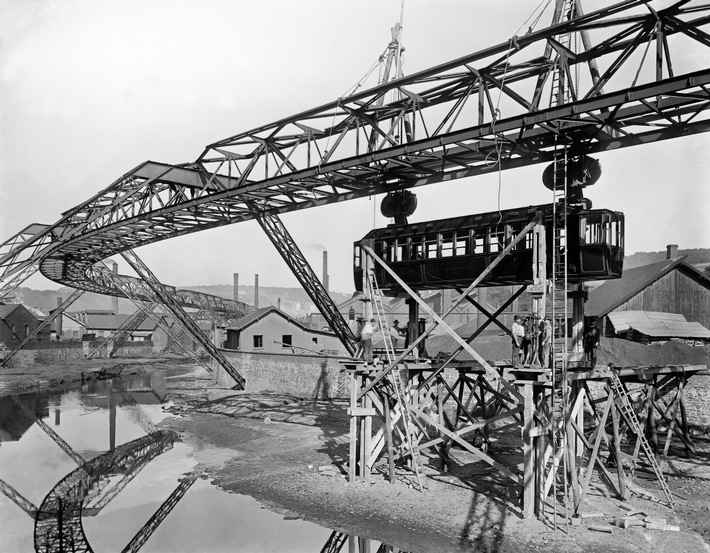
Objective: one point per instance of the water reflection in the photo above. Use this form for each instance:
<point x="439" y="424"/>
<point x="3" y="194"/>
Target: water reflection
<point x="85" y="469"/>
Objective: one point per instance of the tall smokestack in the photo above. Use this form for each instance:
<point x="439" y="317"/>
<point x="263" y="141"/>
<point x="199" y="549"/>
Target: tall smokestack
<point x="325" y="270"/>
<point x="671" y="251"/>
<point x="58" y="320"/>
<point x="256" y="291"/>
<point x="236" y="286"/>
<point x="114" y="299"/>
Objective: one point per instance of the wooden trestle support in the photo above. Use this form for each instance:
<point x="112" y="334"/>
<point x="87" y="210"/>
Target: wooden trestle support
<point x="451" y="403"/>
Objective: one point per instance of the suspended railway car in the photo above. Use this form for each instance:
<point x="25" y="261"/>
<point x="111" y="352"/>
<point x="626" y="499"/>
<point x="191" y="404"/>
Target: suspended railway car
<point x="451" y="253"/>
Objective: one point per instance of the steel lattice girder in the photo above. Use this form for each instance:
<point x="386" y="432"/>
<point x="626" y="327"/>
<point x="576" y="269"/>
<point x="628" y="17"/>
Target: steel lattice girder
<point x="292" y="164"/>
<point x="166" y="298"/>
<point x="291" y="254"/>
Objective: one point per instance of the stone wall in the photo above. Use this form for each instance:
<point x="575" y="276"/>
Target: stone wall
<point x="54" y="353"/>
<point x="697" y="401"/>
<point x="300" y="375"/>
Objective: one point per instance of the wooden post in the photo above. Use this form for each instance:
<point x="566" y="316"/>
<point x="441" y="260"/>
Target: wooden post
<point x="652" y="418"/>
<point x="367" y="438"/>
<point x="529" y="466"/>
<point x="617" y="448"/>
<point x="684" y="421"/>
<point x="352" y="470"/>
<point x="388" y="436"/>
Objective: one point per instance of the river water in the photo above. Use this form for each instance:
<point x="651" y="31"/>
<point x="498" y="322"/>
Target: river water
<point x="84" y="468"/>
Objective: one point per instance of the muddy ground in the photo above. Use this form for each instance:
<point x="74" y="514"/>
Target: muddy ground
<point x="271" y="447"/>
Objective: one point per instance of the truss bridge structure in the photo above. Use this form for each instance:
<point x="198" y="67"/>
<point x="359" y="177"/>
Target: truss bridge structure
<point x="629" y="83"/>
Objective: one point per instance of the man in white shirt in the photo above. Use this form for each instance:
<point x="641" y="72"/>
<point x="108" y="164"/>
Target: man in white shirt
<point x="518" y="331"/>
<point x="366" y="335"/>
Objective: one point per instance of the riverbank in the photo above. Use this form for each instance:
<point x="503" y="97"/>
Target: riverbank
<point x="271" y="447"/>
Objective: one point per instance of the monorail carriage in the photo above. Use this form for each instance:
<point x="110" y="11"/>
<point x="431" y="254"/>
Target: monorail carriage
<point x="452" y="253"/>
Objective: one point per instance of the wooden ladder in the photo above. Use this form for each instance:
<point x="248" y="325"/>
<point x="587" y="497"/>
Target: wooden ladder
<point x="400" y="390"/>
<point x="622" y="400"/>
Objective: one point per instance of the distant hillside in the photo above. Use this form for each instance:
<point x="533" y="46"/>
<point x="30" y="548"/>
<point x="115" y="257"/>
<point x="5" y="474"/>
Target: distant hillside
<point x="696" y="256"/>
<point x="294" y="301"/>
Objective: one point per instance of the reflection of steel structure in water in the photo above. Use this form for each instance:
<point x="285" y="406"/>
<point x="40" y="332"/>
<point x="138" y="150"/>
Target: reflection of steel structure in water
<point x="337" y="540"/>
<point x="88" y="489"/>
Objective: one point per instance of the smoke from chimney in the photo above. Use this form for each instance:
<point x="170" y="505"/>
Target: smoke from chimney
<point x="256" y="291"/>
<point x="325" y="270"/>
<point x="236" y="286"/>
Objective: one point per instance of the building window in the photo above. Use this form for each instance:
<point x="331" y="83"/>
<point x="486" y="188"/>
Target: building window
<point x="14" y="333"/>
<point x="286" y="340"/>
<point x="258" y="341"/>
<point x="27" y="330"/>
<point x="315" y="340"/>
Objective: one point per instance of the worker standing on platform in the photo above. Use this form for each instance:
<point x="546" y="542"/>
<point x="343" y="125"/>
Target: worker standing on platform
<point x="591" y="342"/>
<point x="357" y="331"/>
<point x="518" y="332"/>
<point x="545" y="342"/>
<point x="395" y="333"/>
<point x="366" y="334"/>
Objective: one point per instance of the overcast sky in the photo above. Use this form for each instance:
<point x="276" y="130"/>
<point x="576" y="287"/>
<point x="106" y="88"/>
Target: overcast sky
<point x="89" y="89"/>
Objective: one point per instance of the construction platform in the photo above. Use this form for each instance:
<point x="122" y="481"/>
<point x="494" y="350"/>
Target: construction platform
<point x="460" y="404"/>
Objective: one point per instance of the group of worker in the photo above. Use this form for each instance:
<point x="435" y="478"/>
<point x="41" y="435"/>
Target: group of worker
<point x="532" y="341"/>
<point x="365" y="330"/>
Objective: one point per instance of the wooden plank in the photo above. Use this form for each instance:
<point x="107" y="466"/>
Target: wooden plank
<point x="480" y="454"/>
<point x="595" y="451"/>
<point x="362" y="412"/>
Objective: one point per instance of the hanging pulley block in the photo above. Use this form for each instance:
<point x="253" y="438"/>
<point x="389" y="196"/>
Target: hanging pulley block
<point x="581" y="171"/>
<point x="399" y="204"/>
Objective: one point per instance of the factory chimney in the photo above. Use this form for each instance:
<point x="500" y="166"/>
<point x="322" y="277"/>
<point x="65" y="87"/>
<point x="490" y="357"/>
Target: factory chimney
<point x="256" y="291"/>
<point x="58" y="323"/>
<point x="236" y="286"/>
<point x="114" y="299"/>
<point x="325" y="270"/>
<point x="671" y="251"/>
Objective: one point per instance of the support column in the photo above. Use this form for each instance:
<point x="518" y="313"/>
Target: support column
<point x="529" y="457"/>
<point x="576" y="355"/>
<point x="289" y="251"/>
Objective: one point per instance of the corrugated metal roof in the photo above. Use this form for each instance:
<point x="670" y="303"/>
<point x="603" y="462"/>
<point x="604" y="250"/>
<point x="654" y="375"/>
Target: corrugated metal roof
<point x="613" y="293"/>
<point x="657" y="325"/>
